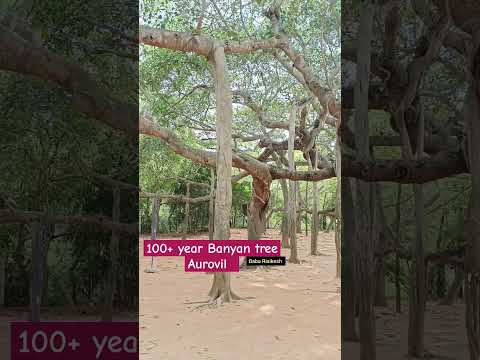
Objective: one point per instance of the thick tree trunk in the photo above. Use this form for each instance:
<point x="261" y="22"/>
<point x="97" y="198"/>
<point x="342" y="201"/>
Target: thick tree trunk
<point x="472" y="314"/>
<point x="338" y="202"/>
<point x="363" y="192"/>
<point x="380" y="294"/>
<point x="298" y="220"/>
<point x="292" y="224"/>
<point x="285" y="235"/>
<point x="365" y="268"/>
<point x="381" y="230"/>
<point x="292" y="201"/>
<point x="417" y="301"/>
<point x="211" y="205"/>
<point x="153" y="229"/>
<point x="315" y="219"/>
<point x="306" y="207"/>
<point x="154" y="223"/>
<point x="349" y="332"/>
<point x="417" y="284"/>
<point x="111" y="279"/>
<point x="472" y="226"/>
<point x="221" y="290"/>
<point x="438" y="288"/>
<point x="19" y="256"/>
<point x="398" y="288"/>
<point x="323" y="223"/>
<point x="338" y="248"/>
<point x="187" y="214"/>
<point x="454" y="288"/>
<point x="3" y="265"/>
<point x="39" y="232"/>
<point x="257" y="208"/>
<point x="46" y="248"/>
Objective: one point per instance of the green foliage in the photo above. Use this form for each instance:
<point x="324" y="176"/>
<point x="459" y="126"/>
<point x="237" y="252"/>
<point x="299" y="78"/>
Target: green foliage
<point x="48" y="149"/>
<point x="177" y="89"/>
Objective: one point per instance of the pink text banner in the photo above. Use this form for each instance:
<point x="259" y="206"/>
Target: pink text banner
<point x="212" y="255"/>
<point x="211" y="247"/>
<point x="74" y="340"/>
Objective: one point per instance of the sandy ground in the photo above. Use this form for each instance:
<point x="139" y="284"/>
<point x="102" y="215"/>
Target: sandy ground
<point x="295" y="313"/>
<point x="445" y="334"/>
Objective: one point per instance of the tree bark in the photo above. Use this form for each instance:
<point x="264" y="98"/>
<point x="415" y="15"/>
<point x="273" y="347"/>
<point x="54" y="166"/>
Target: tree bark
<point x="380" y="294"/>
<point x="153" y="231"/>
<point x="38" y="237"/>
<point x="323" y="224"/>
<point x="454" y="288"/>
<point x="257" y="208"/>
<point x="364" y="195"/>
<point x="306" y="207"/>
<point x="27" y="217"/>
<point x="3" y="265"/>
<point x="349" y="332"/>
<point x="381" y="236"/>
<point x="398" y="288"/>
<point x="472" y="314"/>
<point x="168" y="198"/>
<point x="292" y="201"/>
<point x="315" y="219"/>
<point x="416" y="328"/>
<point x="285" y="234"/>
<point x="50" y="230"/>
<point x="221" y="288"/>
<point x="298" y="220"/>
<point x="439" y="270"/>
<point x="211" y="205"/>
<point x="187" y="214"/>
<point x="338" y="202"/>
<point x="88" y="96"/>
<point x="111" y="279"/>
<point x="472" y="226"/>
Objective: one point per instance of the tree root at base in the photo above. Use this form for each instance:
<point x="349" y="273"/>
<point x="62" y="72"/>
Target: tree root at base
<point x="213" y="303"/>
<point x="319" y="253"/>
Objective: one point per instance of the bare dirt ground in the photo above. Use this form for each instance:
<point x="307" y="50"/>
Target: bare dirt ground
<point x="445" y="334"/>
<point x="295" y="313"/>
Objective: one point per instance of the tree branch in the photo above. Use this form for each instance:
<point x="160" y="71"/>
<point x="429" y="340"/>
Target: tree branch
<point x="88" y="97"/>
<point x="25" y="217"/>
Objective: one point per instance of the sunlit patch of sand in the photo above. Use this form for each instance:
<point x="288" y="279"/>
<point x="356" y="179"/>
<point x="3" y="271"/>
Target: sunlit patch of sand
<point x="285" y="315"/>
<point x="281" y="286"/>
<point x="257" y="284"/>
<point x="267" y="309"/>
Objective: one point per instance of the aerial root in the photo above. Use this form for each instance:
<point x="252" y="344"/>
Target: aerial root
<point x="319" y="253"/>
<point x="218" y="300"/>
<point x="209" y="304"/>
<point x="235" y="296"/>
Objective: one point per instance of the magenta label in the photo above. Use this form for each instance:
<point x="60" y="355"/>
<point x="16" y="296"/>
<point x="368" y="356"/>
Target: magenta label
<point x="212" y="255"/>
<point x="211" y="263"/>
<point x="74" y="340"/>
<point x="211" y="247"/>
